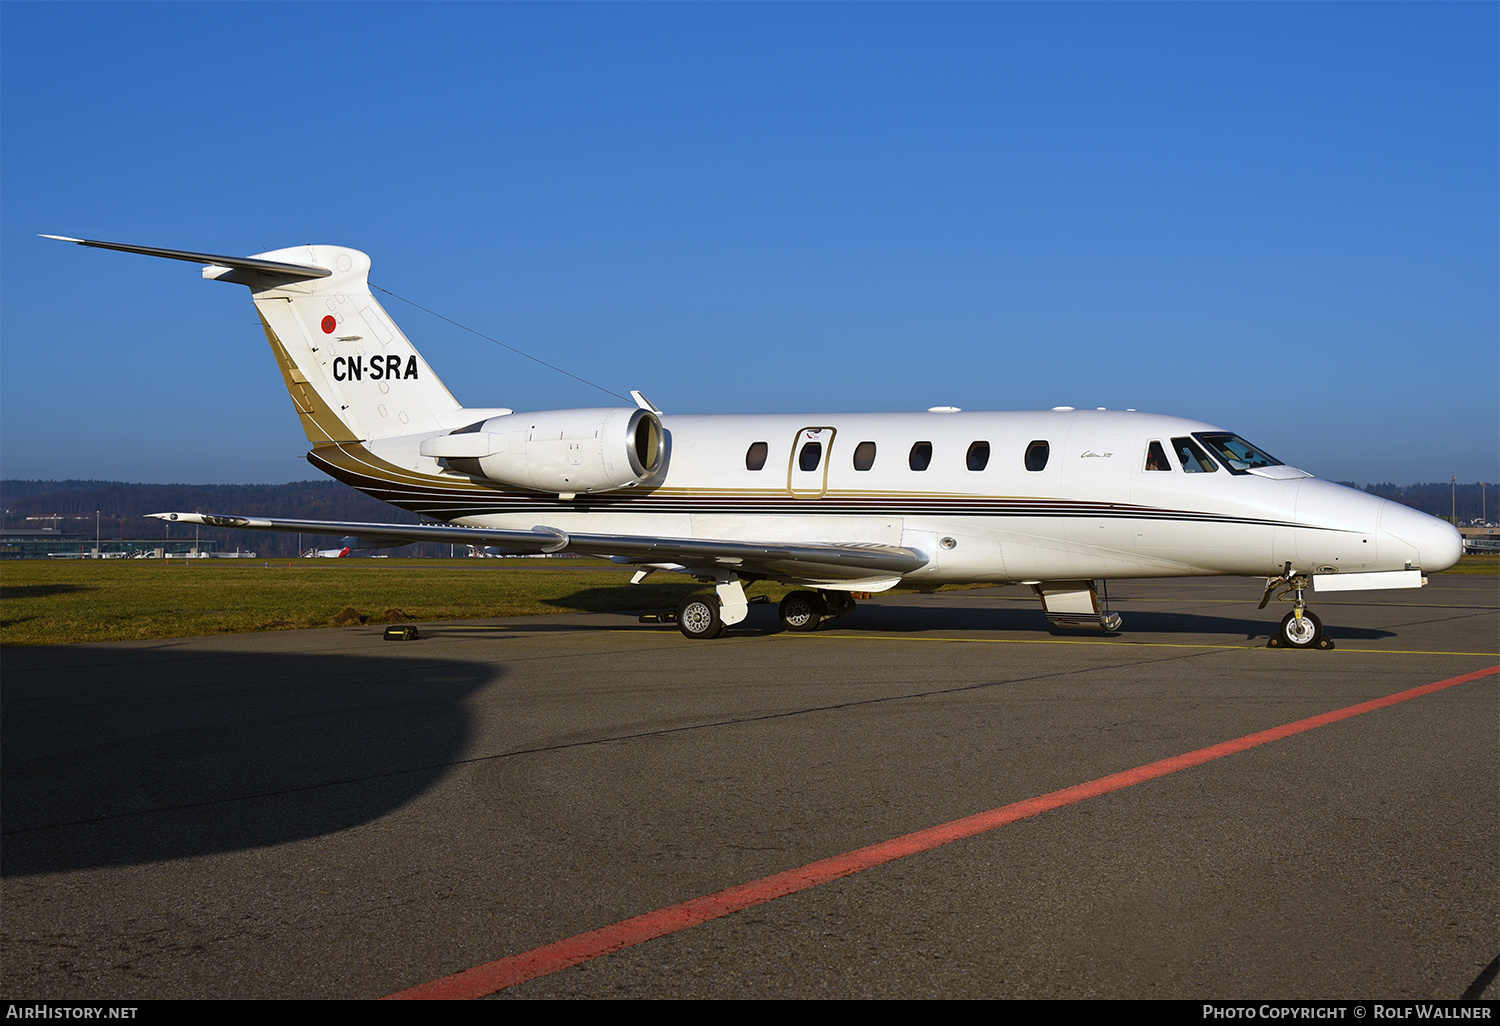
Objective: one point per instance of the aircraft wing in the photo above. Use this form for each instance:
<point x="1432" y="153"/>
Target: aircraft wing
<point x="835" y="562"/>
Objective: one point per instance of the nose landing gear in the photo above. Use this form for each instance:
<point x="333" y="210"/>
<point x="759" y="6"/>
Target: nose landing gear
<point x="1299" y="628"/>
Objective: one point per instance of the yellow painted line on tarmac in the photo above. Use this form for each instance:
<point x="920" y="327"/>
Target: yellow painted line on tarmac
<point x="1321" y="602"/>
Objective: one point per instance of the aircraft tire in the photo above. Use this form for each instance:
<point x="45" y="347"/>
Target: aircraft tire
<point x="1304" y="635"/>
<point x="801" y="611"/>
<point x="698" y="617"/>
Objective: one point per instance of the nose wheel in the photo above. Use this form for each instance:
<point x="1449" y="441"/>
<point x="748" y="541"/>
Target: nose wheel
<point x="1302" y="629"/>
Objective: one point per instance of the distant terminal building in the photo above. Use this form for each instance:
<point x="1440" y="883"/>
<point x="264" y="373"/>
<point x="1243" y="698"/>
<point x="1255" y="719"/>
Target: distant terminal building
<point x="1481" y="538"/>
<point x="72" y="543"/>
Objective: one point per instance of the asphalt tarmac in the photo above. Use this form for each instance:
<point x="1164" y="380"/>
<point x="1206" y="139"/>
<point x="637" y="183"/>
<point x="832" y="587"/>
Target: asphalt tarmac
<point x="325" y="814"/>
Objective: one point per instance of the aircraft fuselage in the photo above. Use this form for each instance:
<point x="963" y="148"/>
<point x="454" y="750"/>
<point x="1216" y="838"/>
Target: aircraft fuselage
<point x="956" y="487"/>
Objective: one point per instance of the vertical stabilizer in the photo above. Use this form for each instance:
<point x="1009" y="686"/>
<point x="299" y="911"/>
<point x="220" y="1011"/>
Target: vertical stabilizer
<point x="351" y="373"/>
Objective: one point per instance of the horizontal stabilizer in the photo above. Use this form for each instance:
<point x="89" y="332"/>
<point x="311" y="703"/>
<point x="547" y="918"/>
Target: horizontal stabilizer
<point x="240" y="263"/>
<point x="540" y="540"/>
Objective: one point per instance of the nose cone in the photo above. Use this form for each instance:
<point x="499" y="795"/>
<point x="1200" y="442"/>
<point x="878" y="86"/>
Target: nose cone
<point x="1433" y="544"/>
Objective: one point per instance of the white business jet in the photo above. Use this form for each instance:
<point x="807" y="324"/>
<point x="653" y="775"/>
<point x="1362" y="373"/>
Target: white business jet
<point x="836" y="504"/>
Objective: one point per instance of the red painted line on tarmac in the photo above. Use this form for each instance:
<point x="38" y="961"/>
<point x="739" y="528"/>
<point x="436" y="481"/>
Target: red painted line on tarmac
<point x="486" y="979"/>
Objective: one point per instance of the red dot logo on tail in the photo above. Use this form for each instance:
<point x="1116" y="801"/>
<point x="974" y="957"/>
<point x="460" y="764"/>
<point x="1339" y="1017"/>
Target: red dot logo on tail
<point x="329" y="324"/>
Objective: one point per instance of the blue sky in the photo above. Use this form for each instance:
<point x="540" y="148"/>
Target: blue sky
<point x="1279" y="218"/>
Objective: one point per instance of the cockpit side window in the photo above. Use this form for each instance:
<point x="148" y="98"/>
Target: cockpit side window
<point x="1234" y="452"/>
<point x="1193" y="459"/>
<point x="1156" y="457"/>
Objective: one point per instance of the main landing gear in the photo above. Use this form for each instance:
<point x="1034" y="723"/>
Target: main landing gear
<point x="706" y="615"/>
<point x="1300" y="628"/>
<point x="698" y="617"/>
<point x="803" y="611"/>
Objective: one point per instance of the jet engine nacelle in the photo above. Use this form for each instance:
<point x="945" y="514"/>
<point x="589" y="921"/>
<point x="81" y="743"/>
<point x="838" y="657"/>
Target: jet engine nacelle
<point x="570" y="452"/>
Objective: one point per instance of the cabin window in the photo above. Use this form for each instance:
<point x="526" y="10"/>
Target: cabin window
<point x="1036" y="455"/>
<point x="978" y="456"/>
<point x="1193" y="459"/>
<point x="864" y="455"/>
<point x="755" y="456"/>
<point x="1156" y="457"/>
<point x="921" y="456"/>
<point x="810" y="456"/>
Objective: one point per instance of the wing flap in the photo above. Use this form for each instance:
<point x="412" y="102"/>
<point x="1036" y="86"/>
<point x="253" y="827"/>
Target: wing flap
<point x="771" y="559"/>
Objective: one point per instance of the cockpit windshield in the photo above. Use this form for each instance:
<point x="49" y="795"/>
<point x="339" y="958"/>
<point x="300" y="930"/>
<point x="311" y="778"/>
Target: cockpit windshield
<point x="1234" y="452"/>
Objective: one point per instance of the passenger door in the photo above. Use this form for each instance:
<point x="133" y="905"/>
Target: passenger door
<point x="807" y="474"/>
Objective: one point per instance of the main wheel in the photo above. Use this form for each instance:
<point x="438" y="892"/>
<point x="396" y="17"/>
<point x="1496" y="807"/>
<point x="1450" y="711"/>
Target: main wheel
<point x="801" y="611"/>
<point x="1304" y="633"/>
<point x="698" y="617"/>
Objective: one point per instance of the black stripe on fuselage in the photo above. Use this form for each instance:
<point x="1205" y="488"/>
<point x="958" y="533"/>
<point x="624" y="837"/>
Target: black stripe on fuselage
<point x="447" y="504"/>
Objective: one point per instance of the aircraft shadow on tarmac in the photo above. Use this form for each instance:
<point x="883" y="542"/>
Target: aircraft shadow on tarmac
<point x="121" y="756"/>
<point x="1181" y="628"/>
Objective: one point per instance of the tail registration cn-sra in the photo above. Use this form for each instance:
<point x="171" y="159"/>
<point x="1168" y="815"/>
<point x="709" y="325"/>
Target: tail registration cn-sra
<point x="835" y="504"/>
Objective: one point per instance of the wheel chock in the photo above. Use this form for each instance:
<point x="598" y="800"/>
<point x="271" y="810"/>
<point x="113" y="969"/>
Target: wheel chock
<point x="402" y="633"/>
<point x="1322" y="643"/>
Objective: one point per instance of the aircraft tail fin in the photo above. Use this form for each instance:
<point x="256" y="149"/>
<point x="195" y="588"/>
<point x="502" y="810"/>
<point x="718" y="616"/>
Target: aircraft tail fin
<point x="351" y="373"/>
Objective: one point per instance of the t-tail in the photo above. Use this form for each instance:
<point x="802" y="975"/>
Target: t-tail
<point x="352" y="375"/>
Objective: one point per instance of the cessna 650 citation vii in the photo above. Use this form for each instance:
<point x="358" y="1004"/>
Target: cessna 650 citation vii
<point x="834" y="503"/>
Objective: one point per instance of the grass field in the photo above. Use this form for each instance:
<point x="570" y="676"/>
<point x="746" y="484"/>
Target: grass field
<point x="58" y="602"/>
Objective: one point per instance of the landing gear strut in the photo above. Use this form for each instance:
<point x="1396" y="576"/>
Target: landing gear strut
<point x="1299" y="628"/>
